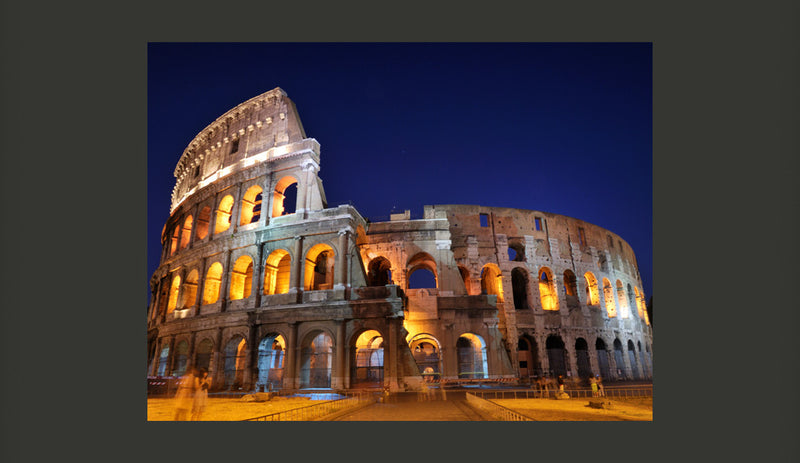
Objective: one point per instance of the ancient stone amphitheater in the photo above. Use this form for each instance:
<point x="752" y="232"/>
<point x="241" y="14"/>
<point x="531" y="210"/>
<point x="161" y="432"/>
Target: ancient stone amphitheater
<point x="267" y="287"/>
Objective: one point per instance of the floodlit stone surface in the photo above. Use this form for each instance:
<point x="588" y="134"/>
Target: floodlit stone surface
<point x="268" y="288"/>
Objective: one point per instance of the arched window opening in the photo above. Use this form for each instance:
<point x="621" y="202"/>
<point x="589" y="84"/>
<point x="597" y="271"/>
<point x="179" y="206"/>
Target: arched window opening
<point x="241" y="278"/>
<point x="176" y="233"/>
<point x="632" y="300"/>
<point x="277" y="272"/>
<point x="212" y="283"/>
<point x="472" y="361"/>
<point x="203" y="220"/>
<point x="618" y="357"/>
<point x="592" y="293"/>
<point x="251" y="205"/>
<point x="547" y="289"/>
<point x="425" y="349"/>
<point x="466" y="279"/>
<point x="633" y="362"/>
<point x="602" y="358"/>
<point x="316" y="360"/>
<point x="582" y="357"/>
<point x="421" y="271"/>
<point x="570" y="284"/>
<point x="202" y="358"/>
<point x="608" y="293"/>
<point x="186" y="232"/>
<point x="181" y="358"/>
<point x="174" y="290"/>
<point x="319" y="268"/>
<point x="368" y="365"/>
<point x="492" y="281"/>
<point x="281" y="204"/>
<point x="557" y="355"/>
<point x="623" y="300"/>
<point x="527" y="357"/>
<point x="380" y="272"/>
<point x="189" y="293"/>
<point x="234" y="363"/>
<point x="271" y="354"/>
<point x="640" y="308"/>
<point x="519" y="285"/>
<point x="516" y="251"/>
<point x="224" y="214"/>
<point x="163" y="360"/>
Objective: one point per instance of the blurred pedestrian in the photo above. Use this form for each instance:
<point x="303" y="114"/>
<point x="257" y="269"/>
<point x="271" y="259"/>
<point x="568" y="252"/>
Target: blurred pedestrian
<point x="593" y="384"/>
<point x="201" y="394"/>
<point x="600" y="391"/>
<point x="184" y="398"/>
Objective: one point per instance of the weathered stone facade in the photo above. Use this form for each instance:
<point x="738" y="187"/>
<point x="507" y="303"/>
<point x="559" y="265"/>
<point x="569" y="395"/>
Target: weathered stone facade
<point x="268" y="295"/>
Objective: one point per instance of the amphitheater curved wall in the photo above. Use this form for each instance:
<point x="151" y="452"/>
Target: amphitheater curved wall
<point x="266" y="294"/>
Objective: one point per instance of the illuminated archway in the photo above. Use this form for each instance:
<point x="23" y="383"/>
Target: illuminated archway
<point x="234" y="363"/>
<point x="241" y="278"/>
<point x="319" y="268"/>
<point x="421" y="271"/>
<point x="203" y="221"/>
<point x="547" y="289"/>
<point x="277" y="272"/>
<point x="271" y="353"/>
<point x="186" y="232"/>
<point x="426" y="351"/>
<point x="492" y="281"/>
<point x="189" y="293"/>
<point x="278" y="196"/>
<point x="472" y="360"/>
<point x="608" y="293"/>
<point x="212" y="283"/>
<point x="176" y="233"/>
<point x="251" y="205"/>
<point x="465" y="277"/>
<point x="174" y="290"/>
<point x="592" y="293"/>
<point x="224" y="214"/>
<point x="380" y="272"/>
<point x="368" y="360"/>
<point x="623" y="301"/>
<point x="570" y="285"/>
<point x="316" y="360"/>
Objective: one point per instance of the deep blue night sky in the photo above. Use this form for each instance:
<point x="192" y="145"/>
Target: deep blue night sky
<point x="563" y="128"/>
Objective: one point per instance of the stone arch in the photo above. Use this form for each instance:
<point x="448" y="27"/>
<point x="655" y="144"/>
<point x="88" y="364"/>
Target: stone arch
<point x="624" y="310"/>
<point x="251" y="205"/>
<point x="224" y="210"/>
<point x="632" y="359"/>
<point x="316" y="360"/>
<point x="181" y="360"/>
<point x="602" y="358"/>
<point x="426" y="350"/>
<point x="212" y="283"/>
<point x="367" y="359"/>
<point x="319" y="268"/>
<point x="592" y="293"/>
<point x="279" y="195"/>
<point x="528" y="357"/>
<point x="582" y="358"/>
<point x="608" y="293"/>
<point x="639" y="302"/>
<point x="277" y="272"/>
<point x="203" y="221"/>
<point x="519" y="286"/>
<point x="516" y="250"/>
<point x="492" y="281"/>
<point x="271" y="355"/>
<point x="465" y="277"/>
<point x="425" y="264"/>
<point x="618" y="357"/>
<point x="163" y="361"/>
<point x="174" y="290"/>
<point x="189" y="291"/>
<point x="547" y="289"/>
<point x="571" y="287"/>
<point x="556" y="355"/>
<point x="380" y="272"/>
<point x="241" y="278"/>
<point x="472" y="358"/>
<point x="176" y="233"/>
<point x="186" y="231"/>
<point x="234" y="362"/>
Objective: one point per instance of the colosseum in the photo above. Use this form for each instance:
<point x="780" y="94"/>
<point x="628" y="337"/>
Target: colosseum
<point x="269" y="288"/>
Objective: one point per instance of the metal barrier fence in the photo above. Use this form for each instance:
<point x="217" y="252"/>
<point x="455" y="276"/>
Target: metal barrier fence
<point x="619" y="392"/>
<point x="313" y="412"/>
<point x="499" y="412"/>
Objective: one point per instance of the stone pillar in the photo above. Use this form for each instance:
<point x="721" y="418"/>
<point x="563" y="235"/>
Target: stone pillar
<point x="337" y="381"/>
<point x="544" y="357"/>
<point x="449" y="353"/>
<point x="290" y="364"/>
<point x="190" y="354"/>
<point x="193" y="233"/>
<point x="236" y="210"/>
<point x="594" y="363"/>
<point x="304" y="188"/>
<point x="225" y="284"/>
<point x="340" y="274"/>
<point x="215" y="367"/>
<point x="171" y="362"/>
<point x="258" y="276"/>
<point x="201" y="284"/>
<point x="250" y="354"/>
<point x="296" y="276"/>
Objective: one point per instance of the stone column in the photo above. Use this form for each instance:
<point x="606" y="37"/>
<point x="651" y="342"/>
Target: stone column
<point x="225" y="283"/>
<point x="236" y="210"/>
<point x="290" y="363"/>
<point x="215" y="367"/>
<point x="251" y="353"/>
<point x="340" y="274"/>
<point x="193" y="233"/>
<point x="304" y="188"/>
<point x="449" y="353"/>
<point x="296" y="276"/>
<point x="190" y="353"/>
<point x="171" y="362"/>
<point x="201" y="284"/>
<point x="258" y="276"/>
<point x="594" y="362"/>
<point x="337" y="381"/>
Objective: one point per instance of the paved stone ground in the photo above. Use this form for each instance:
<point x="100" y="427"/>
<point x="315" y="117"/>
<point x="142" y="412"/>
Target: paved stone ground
<point x="416" y="407"/>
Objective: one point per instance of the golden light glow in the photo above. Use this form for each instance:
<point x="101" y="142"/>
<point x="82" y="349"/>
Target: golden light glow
<point x="278" y="195"/>
<point x="319" y="268"/>
<point x="492" y="281"/>
<point x="173" y="293"/>
<point x="277" y="272"/>
<point x="189" y="293"/>
<point x="593" y="295"/>
<point x="203" y="220"/>
<point x="547" y="289"/>
<point x="224" y="214"/>
<point x="608" y="293"/>
<point x="212" y="283"/>
<point x="251" y="205"/>
<point x="241" y="278"/>
<point x="624" y="309"/>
